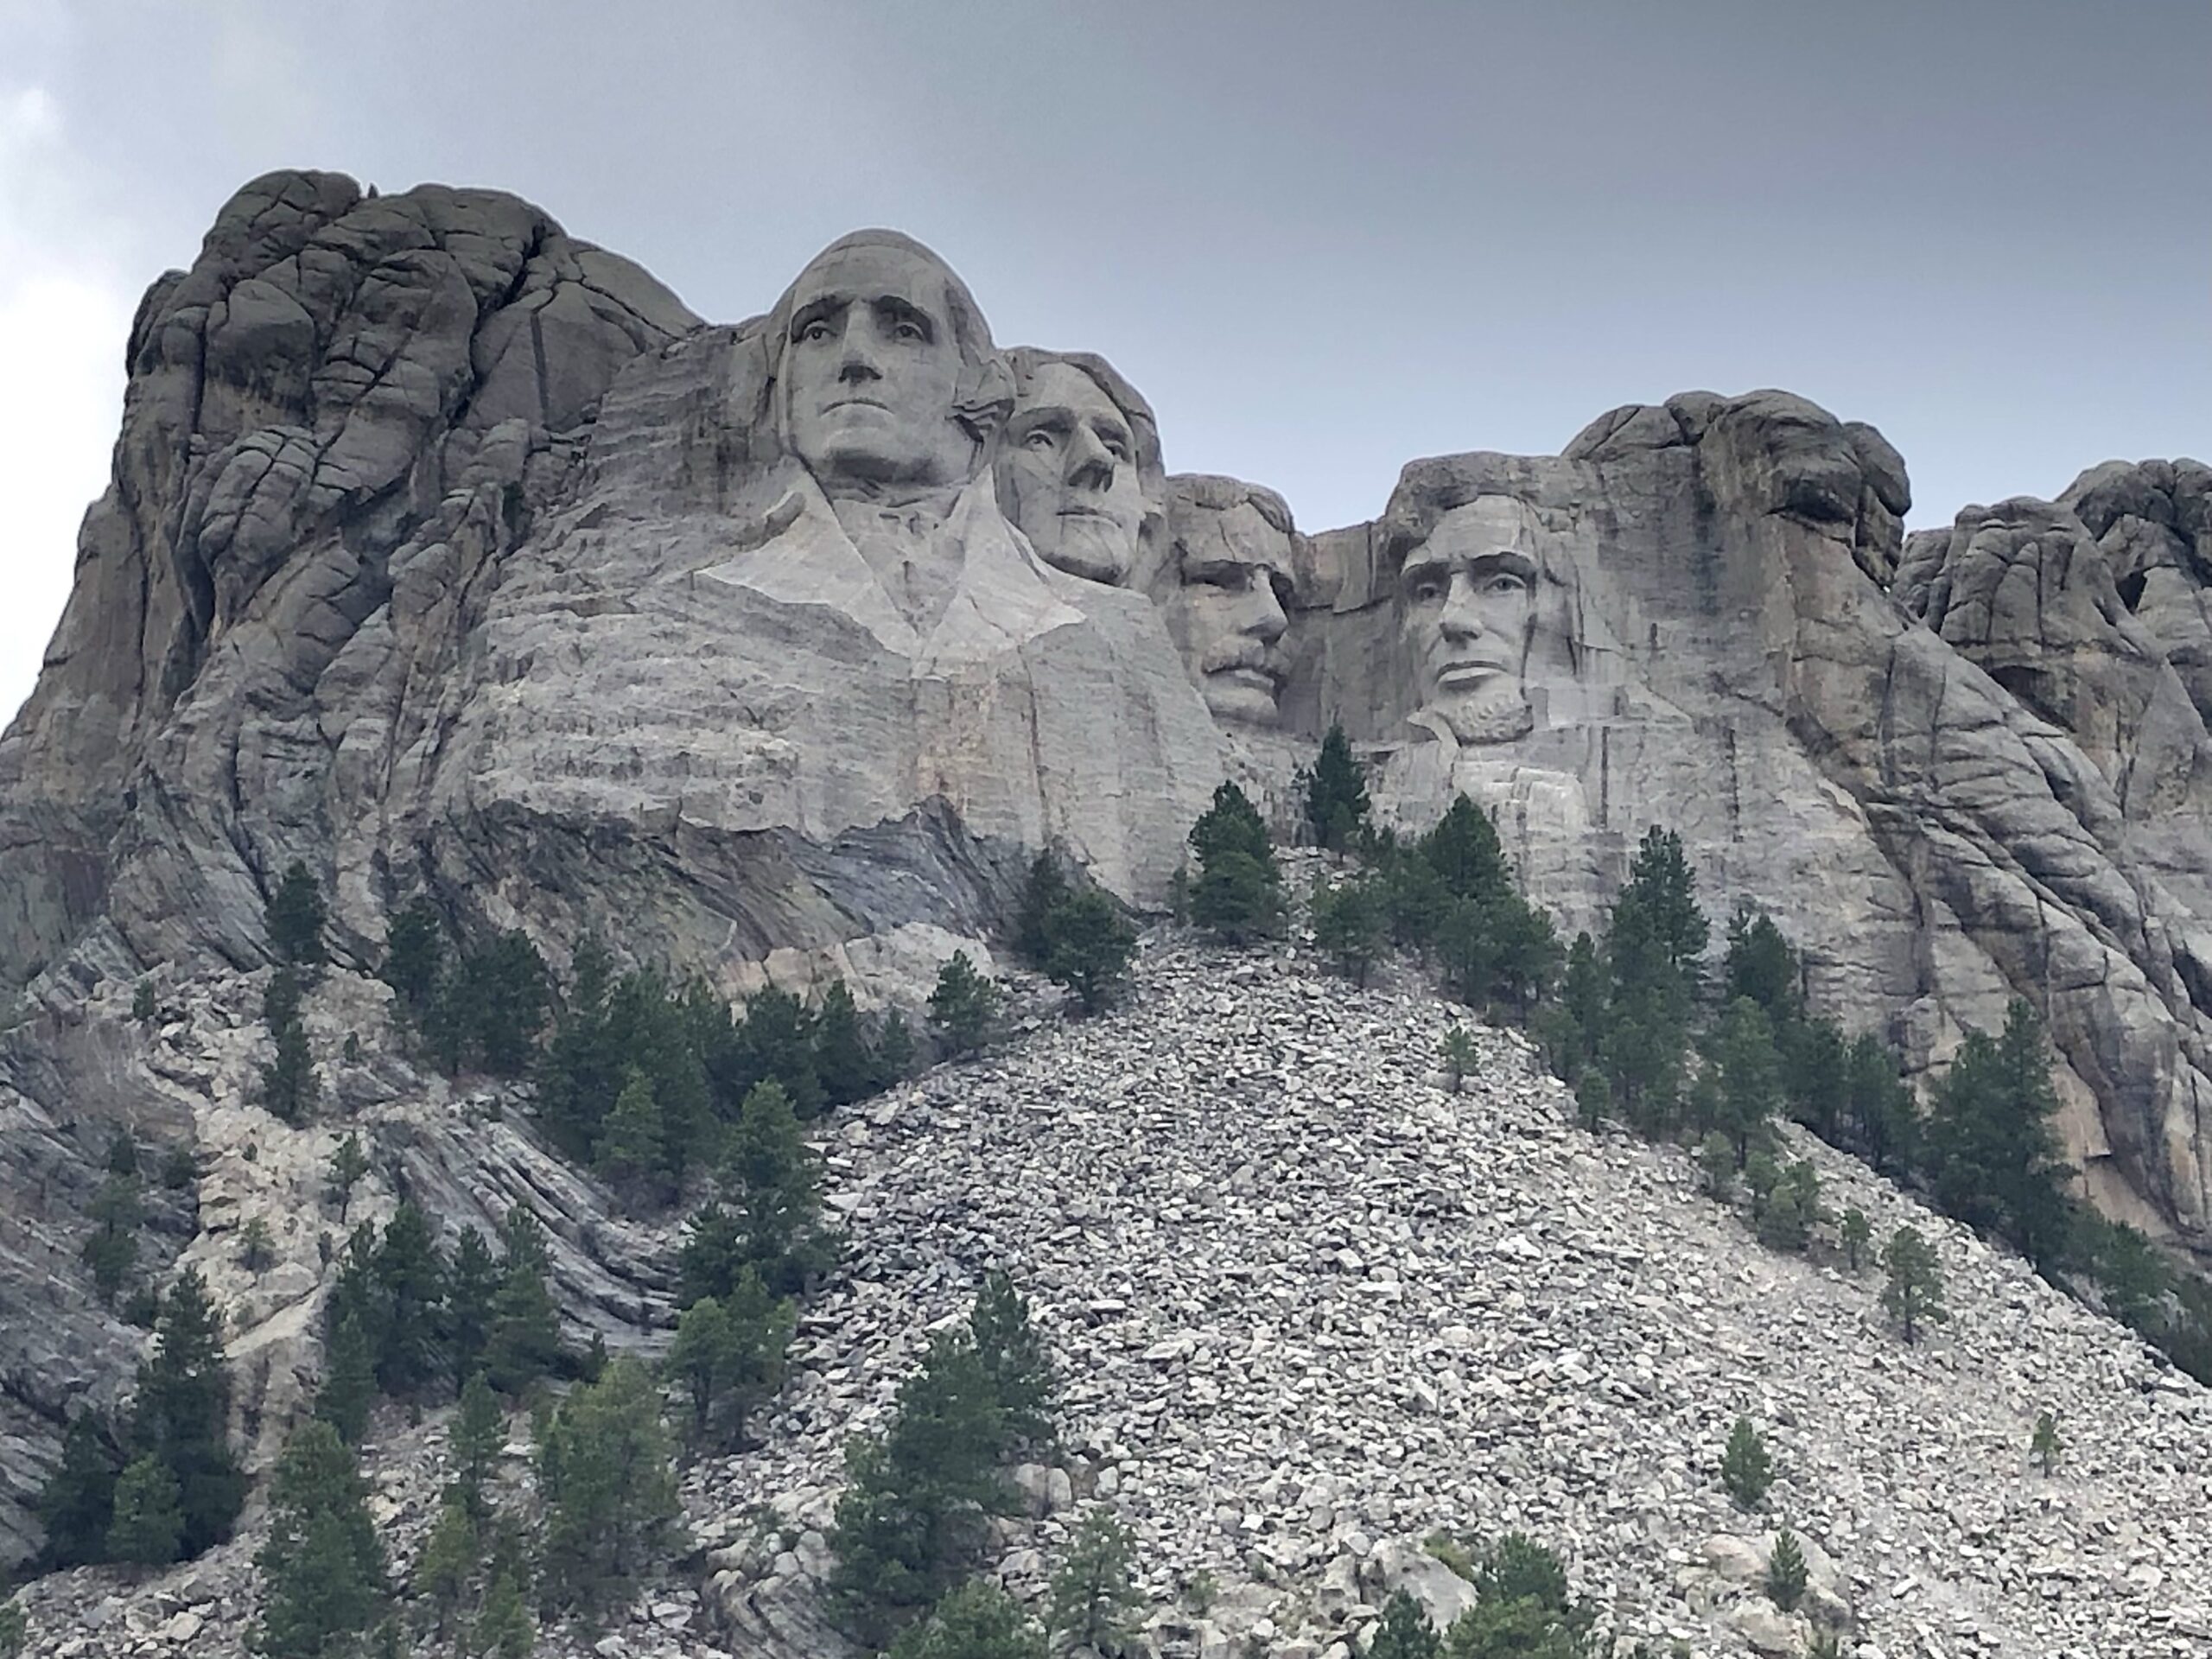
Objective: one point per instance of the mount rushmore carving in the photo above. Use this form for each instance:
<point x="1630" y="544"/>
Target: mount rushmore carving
<point x="457" y="558"/>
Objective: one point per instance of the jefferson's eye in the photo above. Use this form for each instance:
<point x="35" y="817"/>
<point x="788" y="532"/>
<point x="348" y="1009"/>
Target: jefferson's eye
<point x="1039" y="437"/>
<point x="1119" y="452"/>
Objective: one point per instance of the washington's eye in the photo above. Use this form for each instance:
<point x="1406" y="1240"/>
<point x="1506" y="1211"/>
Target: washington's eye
<point x="815" y="333"/>
<point x="908" y="330"/>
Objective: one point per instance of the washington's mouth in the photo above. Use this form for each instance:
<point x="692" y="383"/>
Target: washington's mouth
<point x="855" y="403"/>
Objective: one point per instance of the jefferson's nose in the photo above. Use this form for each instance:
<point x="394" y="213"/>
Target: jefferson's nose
<point x="1091" y="463"/>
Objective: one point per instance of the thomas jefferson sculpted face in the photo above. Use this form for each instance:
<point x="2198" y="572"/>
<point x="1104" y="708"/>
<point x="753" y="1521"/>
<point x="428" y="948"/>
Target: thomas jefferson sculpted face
<point x="1466" y="600"/>
<point x="878" y="348"/>
<point x="1067" y="472"/>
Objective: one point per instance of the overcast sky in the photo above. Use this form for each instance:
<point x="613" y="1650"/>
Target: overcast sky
<point x="1323" y="238"/>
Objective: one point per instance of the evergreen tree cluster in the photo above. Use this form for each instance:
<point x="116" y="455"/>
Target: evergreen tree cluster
<point x="483" y="1008"/>
<point x="1334" y="795"/>
<point x="919" y="1496"/>
<point x="404" y="1320"/>
<point x="645" y="1080"/>
<point x="168" y="1486"/>
<point x="1523" y="1610"/>
<point x="1076" y="937"/>
<point x="766" y="1219"/>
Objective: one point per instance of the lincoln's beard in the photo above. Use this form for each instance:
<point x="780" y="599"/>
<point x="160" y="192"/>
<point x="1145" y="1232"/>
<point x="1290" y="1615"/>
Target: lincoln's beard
<point x="1497" y="712"/>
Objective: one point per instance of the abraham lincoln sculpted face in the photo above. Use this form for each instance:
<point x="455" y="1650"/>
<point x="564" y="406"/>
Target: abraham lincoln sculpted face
<point x="1466" y="607"/>
<point x="886" y="379"/>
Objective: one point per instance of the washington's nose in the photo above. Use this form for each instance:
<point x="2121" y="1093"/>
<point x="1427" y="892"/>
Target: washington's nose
<point x="856" y="359"/>
<point x="1091" y="463"/>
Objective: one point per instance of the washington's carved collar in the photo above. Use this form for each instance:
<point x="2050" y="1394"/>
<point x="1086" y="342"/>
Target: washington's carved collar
<point x="938" y="586"/>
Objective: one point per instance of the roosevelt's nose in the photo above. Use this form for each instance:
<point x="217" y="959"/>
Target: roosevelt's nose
<point x="1089" y="463"/>
<point x="856" y="358"/>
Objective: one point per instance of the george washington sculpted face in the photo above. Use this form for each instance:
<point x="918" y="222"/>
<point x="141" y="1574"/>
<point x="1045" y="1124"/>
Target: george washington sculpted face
<point x="872" y="368"/>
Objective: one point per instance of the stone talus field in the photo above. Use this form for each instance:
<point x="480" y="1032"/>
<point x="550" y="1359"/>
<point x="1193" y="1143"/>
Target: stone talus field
<point x="455" y="557"/>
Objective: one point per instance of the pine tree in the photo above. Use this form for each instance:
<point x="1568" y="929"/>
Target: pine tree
<point x="296" y="918"/>
<point x="1011" y="1354"/>
<point x="472" y="1286"/>
<point x="979" y="1620"/>
<point x="1237" y="894"/>
<point x="844" y="1059"/>
<point x="1405" y="1631"/>
<point x="523" y="1343"/>
<point x="504" y="1001"/>
<point x="1746" y="1471"/>
<point x="14" y="1630"/>
<point x="1990" y="1144"/>
<point x="76" y="1504"/>
<point x="181" y="1414"/>
<point x="447" y="1564"/>
<point x="349" y="1380"/>
<point x="1880" y="1122"/>
<point x="919" y="1498"/>
<point x="730" y="1357"/>
<point x="1044" y="893"/>
<point x="609" y="1487"/>
<point x="894" y="1050"/>
<point x="1747" y="1076"/>
<point x="1093" y="1602"/>
<point x="1761" y="965"/>
<point x="409" y="1273"/>
<point x="414" y="957"/>
<point x="289" y="1086"/>
<point x="1089" y="946"/>
<point x="347" y="1166"/>
<point x="112" y="1249"/>
<point x="1335" y="803"/>
<point x="1459" y="1056"/>
<point x="1786" y="1575"/>
<point x="503" y="1628"/>
<point x="631" y="1147"/>
<point x="1856" y="1232"/>
<point x="1716" y="1161"/>
<point x="962" y="1006"/>
<point x="713" y="1253"/>
<point x="323" y="1568"/>
<point x="1351" y="924"/>
<point x="2045" y="1445"/>
<point x="775" y="1042"/>
<point x="1792" y="1208"/>
<point x="148" y="1524"/>
<point x="479" y="1432"/>
<point x="1914" y="1294"/>
<point x="769" y="1175"/>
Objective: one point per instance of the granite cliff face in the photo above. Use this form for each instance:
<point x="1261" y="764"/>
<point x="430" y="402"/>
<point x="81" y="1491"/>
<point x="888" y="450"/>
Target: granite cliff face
<point x="457" y="559"/>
